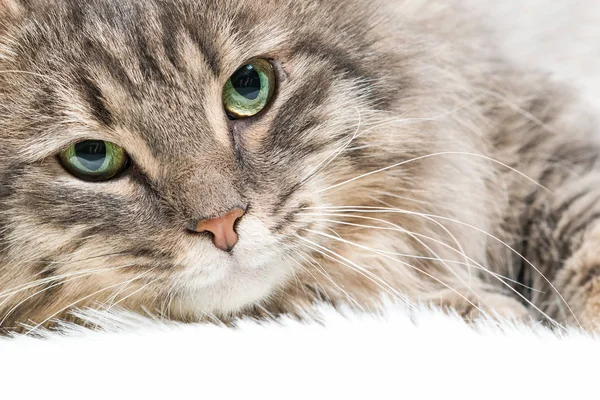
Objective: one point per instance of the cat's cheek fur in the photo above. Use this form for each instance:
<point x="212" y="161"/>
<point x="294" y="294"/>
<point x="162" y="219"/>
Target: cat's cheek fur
<point x="414" y="126"/>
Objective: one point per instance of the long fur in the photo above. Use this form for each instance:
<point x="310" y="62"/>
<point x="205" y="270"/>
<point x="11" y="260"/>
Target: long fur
<point x="413" y="355"/>
<point x="402" y="154"/>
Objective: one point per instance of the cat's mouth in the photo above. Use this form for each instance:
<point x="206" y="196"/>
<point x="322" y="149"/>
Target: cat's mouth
<point x="229" y="284"/>
<point x="224" y="282"/>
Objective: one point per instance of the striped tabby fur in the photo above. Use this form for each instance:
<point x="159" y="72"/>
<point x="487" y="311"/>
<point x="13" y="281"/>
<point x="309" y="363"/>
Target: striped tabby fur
<point x="401" y="156"/>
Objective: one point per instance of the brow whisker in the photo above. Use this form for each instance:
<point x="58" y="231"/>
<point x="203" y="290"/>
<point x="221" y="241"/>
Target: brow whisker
<point x="332" y="156"/>
<point x="376" y="124"/>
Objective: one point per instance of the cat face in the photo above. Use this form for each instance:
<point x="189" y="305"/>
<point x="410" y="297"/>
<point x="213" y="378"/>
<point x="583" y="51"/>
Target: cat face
<point x="142" y="86"/>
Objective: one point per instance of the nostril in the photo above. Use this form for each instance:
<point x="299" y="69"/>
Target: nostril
<point x="222" y="229"/>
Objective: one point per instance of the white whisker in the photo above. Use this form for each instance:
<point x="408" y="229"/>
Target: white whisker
<point x="472" y="263"/>
<point x="361" y="209"/>
<point x="445" y="153"/>
<point x="36" y="327"/>
<point x="323" y="272"/>
<point x="357" y="268"/>
<point x="135" y="291"/>
<point x="410" y="266"/>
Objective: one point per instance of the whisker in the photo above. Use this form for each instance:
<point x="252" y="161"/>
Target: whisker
<point x="323" y="272"/>
<point x="428" y="203"/>
<point x="445" y="153"/>
<point x="299" y="264"/>
<point x="80" y="276"/>
<point x="376" y="124"/>
<point x="36" y="327"/>
<point x="479" y="266"/>
<point x="407" y="255"/>
<point x="21" y="288"/>
<point x="332" y="156"/>
<point x="29" y="285"/>
<point x="365" y="209"/>
<point x="357" y="268"/>
<point x="410" y="266"/>
<point x="134" y="292"/>
<point x="419" y="257"/>
<point x="295" y="275"/>
<point x="406" y="264"/>
<point x="112" y="299"/>
<point x="523" y="112"/>
<point x="428" y="248"/>
<point x="447" y="231"/>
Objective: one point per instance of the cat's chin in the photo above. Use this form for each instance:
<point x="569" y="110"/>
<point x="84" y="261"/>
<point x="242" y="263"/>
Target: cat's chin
<point x="220" y="283"/>
<point x="231" y="289"/>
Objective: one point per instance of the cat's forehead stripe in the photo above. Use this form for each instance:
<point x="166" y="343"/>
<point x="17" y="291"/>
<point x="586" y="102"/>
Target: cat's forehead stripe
<point x="93" y="95"/>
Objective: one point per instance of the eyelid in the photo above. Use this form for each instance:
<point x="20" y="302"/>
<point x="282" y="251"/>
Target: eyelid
<point x="48" y="147"/>
<point x="280" y="71"/>
<point x="248" y="61"/>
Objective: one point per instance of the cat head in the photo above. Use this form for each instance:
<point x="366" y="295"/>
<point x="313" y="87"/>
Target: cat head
<point x="169" y="154"/>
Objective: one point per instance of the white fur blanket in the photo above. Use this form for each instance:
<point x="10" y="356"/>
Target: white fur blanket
<point x="422" y="356"/>
<point x="401" y="355"/>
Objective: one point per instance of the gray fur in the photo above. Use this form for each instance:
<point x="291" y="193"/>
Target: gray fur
<point x="458" y="179"/>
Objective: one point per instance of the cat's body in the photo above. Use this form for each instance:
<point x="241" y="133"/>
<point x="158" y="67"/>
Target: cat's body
<point x="400" y="156"/>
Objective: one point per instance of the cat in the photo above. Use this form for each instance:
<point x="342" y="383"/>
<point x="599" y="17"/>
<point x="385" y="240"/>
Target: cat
<point x="202" y="159"/>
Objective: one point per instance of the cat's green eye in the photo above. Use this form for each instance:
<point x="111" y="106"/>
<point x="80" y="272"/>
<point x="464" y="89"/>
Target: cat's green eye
<point x="94" y="160"/>
<point x="249" y="90"/>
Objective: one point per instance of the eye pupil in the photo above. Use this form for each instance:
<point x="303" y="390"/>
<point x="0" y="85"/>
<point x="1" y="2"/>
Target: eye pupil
<point x="246" y="81"/>
<point x="91" y="154"/>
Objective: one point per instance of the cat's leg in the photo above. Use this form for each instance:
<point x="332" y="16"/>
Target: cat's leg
<point x="563" y="242"/>
<point x="579" y="281"/>
<point x="474" y="305"/>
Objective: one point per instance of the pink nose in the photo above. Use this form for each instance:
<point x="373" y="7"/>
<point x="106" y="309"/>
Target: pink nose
<point x="223" y="229"/>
